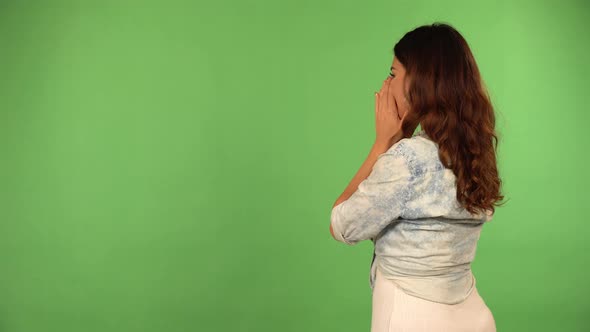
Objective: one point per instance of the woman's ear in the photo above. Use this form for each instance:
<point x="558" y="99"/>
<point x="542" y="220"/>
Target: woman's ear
<point x="405" y="107"/>
<point x="406" y="89"/>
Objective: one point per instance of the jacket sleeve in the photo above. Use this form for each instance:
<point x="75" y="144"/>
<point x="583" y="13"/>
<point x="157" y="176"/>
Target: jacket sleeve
<point x="376" y="203"/>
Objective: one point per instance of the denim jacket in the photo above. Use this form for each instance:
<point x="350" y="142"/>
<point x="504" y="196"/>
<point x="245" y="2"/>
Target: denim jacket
<point x="424" y="240"/>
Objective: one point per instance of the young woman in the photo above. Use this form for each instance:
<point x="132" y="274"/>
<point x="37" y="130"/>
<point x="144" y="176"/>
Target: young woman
<point x="423" y="198"/>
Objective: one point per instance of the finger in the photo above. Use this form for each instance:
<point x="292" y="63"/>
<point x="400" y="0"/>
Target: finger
<point x="388" y="96"/>
<point x="376" y="101"/>
<point x="393" y="105"/>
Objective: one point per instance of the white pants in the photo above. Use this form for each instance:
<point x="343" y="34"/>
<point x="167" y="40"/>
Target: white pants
<point x="396" y="311"/>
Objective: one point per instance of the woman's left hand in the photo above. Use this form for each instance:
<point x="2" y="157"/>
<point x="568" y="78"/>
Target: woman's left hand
<point x="388" y="122"/>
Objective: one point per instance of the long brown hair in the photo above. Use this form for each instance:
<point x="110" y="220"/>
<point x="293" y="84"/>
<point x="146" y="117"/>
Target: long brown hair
<point x="447" y="97"/>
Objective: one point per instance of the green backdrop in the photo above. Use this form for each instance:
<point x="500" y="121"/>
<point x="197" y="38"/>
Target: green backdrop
<point x="171" y="166"/>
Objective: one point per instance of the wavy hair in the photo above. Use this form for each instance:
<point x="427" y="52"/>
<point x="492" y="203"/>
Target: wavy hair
<point x="447" y="97"/>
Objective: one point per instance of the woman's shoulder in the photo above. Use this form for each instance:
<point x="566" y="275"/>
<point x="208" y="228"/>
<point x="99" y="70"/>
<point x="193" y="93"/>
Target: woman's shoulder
<point x="418" y="151"/>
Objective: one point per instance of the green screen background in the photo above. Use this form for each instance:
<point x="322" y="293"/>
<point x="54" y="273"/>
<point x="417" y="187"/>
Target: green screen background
<point x="171" y="166"/>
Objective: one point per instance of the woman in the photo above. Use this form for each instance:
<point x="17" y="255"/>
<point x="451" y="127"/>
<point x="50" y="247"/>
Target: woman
<point x="423" y="198"/>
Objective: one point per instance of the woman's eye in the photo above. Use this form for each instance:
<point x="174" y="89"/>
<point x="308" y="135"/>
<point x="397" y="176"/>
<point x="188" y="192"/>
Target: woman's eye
<point x="391" y="75"/>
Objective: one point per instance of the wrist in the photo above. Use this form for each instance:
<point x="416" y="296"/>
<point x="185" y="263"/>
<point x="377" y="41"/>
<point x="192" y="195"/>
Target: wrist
<point x="380" y="147"/>
<point x="385" y="144"/>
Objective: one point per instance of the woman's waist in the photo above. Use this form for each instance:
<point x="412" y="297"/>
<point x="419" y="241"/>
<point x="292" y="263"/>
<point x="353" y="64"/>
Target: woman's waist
<point x="442" y="289"/>
<point x="411" y="267"/>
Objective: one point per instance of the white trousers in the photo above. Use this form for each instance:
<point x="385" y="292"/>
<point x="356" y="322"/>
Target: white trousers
<point x="396" y="311"/>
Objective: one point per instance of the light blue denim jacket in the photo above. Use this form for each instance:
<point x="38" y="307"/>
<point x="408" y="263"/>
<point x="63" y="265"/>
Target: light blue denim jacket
<point x="424" y="240"/>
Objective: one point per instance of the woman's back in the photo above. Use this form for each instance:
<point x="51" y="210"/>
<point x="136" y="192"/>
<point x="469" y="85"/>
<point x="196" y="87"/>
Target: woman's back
<point x="424" y="239"/>
<point x="429" y="250"/>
